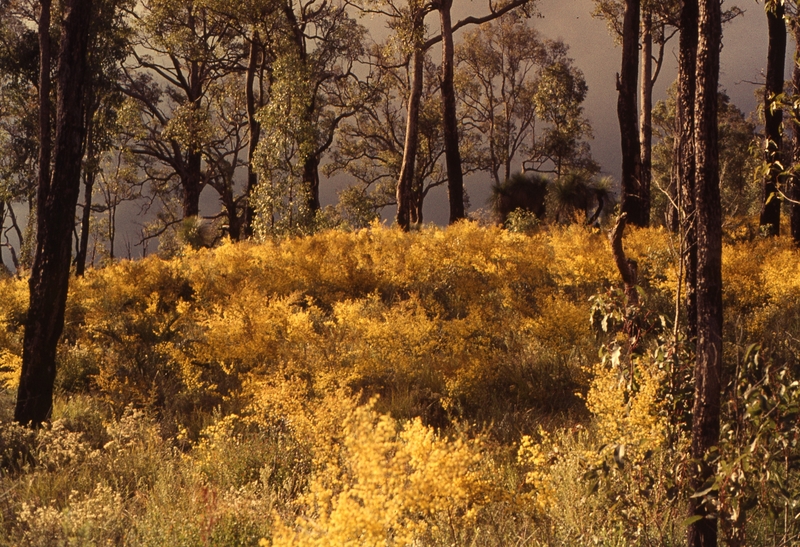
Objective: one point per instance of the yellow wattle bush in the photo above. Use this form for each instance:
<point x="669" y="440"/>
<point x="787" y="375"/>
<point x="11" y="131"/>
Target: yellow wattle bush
<point x="390" y="485"/>
<point x="338" y="381"/>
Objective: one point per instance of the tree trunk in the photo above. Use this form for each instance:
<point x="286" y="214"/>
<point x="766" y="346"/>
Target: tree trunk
<point x="684" y="156"/>
<point x="311" y="181"/>
<point x="770" y="220"/>
<point x="89" y="174"/>
<point x="673" y="218"/>
<point x="417" y="199"/>
<point x="406" y="179"/>
<point x="632" y="196"/>
<point x="794" y="181"/>
<point x="708" y="367"/>
<point x="44" y="108"/>
<point x="2" y="225"/>
<point x="455" y="177"/>
<point x="83" y="244"/>
<point x="50" y="272"/>
<point x="234" y="220"/>
<point x="192" y="178"/>
<point x="646" y="123"/>
<point x="192" y="184"/>
<point x="254" y="129"/>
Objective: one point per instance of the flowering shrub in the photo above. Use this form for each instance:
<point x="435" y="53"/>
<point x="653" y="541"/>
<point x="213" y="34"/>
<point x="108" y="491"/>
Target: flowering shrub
<point x="390" y="485"/>
<point x="380" y="387"/>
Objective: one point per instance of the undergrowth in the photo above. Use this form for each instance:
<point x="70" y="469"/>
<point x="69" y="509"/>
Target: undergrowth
<point x="466" y="386"/>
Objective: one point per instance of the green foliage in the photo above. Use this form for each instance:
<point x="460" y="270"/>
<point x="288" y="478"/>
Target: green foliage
<point x="522" y="221"/>
<point x="510" y="79"/>
<point x="739" y="161"/>
<point x="759" y="455"/>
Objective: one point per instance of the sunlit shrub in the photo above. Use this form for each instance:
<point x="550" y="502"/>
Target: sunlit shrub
<point x="213" y="395"/>
<point x="392" y="485"/>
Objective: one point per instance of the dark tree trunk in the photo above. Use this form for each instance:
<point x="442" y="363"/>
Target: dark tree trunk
<point x="83" y="244"/>
<point x="633" y="203"/>
<point x="770" y="220"/>
<point x="708" y="367"/>
<point x="646" y="123"/>
<point x="89" y="174"/>
<point x="684" y="157"/>
<point x="455" y="177"/>
<point x="254" y="129"/>
<point x="311" y="181"/>
<point x="406" y="179"/>
<point x="192" y="177"/>
<point x="50" y="272"/>
<point x="794" y="181"/>
<point x="417" y="199"/>
<point x="2" y="223"/>
<point x="44" y="108"/>
<point x="234" y="220"/>
<point x="192" y="184"/>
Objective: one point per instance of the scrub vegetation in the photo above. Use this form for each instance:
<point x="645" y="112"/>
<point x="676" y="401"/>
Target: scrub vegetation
<point x="460" y="386"/>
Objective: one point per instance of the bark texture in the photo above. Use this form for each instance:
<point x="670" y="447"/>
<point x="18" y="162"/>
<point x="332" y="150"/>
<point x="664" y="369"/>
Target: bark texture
<point x="45" y="145"/>
<point x="628" y="269"/>
<point x="684" y="157"/>
<point x="311" y="182"/>
<point x="708" y="367"/>
<point x="633" y="202"/>
<point x="50" y="272"/>
<point x="192" y="183"/>
<point x="455" y="177"/>
<point x="770" y="220"/>
<point x="794" y="181"/>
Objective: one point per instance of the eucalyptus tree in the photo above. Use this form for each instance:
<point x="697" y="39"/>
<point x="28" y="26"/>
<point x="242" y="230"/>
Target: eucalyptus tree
<point x="496" y="83"/>
<point x="180" y="50"/>
<point x="108" y="45"/>
<point x="455" y="183"/>
<point x="226" y="151"/>
<point x="658" y="24"/>
<point x="406" y="18"/>
<point x="702" y="530"/>
<point x="57" y="198"/>
<point x="737" y="163"/>
<point x="560" y="91"/>
<point x="510" y="80"/>
<point x="258" y="23"/>
<point x="770" y="218"/>
<point x="370" y="144"/>
<point x="117" y="181"/>
<point x="794" y="180"/>
<point x="455" y="175"/>
<point x="635" y="196"/>
<point x="314" y="84"/>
